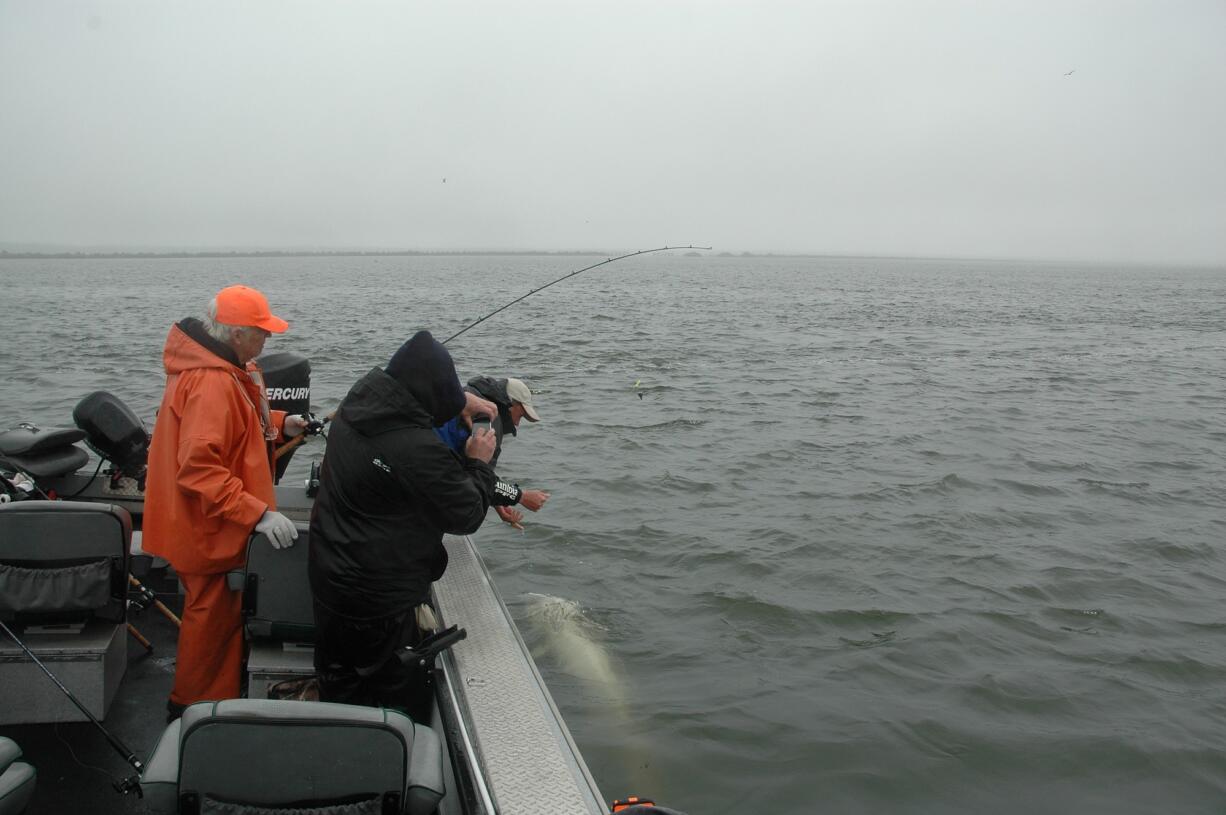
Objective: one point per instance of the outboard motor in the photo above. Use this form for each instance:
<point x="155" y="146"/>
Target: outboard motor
<point x="288" y="379"/>
<point x="114" y="433"/>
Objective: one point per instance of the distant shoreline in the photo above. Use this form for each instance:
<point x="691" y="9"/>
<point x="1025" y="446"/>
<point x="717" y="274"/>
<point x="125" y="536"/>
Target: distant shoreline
<point x="685" y="251"/>
<point x="272" y="254"/>
<point x="340" y="253"/>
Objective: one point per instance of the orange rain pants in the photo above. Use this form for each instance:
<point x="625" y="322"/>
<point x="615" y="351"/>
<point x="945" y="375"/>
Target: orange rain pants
<point x="210" y="641"/>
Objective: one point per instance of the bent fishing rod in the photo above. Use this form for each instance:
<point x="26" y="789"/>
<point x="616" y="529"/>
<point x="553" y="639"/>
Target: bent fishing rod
<point x="294" y="442"/>
<point x="478" y="322"/>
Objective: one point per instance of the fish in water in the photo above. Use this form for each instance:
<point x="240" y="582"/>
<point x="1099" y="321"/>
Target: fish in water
<point x="569" y="640"/>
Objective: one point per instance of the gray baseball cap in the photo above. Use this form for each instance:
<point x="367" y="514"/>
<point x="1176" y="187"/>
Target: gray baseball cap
<point x="518" y="391"/>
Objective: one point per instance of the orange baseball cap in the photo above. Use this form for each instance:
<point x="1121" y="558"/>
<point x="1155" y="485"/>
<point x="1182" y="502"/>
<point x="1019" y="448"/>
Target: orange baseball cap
<point x="243" y="305"/>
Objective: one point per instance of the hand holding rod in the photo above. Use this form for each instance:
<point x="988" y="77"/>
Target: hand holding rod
<point x="313" y="429"/>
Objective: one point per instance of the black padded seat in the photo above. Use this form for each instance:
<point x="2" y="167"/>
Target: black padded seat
<point x="53" y="464"/>
<point x="63" y="560"/>
<point x="28" y="440"/>
<point x="260" y="754"/>
<point x="42" y="453"/>
<point x="16" y="779"/>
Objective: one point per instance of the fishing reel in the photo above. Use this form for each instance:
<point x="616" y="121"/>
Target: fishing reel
<point x="127" y="786"/>
<point x="140" y="597"/>
<point x="315" y="425"/>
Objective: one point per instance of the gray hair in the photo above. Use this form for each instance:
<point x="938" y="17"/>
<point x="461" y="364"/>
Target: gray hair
<point x="222" y="332"/>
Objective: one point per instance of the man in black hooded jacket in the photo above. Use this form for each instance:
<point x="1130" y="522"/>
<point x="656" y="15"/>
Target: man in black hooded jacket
<point x="389" y="489"/>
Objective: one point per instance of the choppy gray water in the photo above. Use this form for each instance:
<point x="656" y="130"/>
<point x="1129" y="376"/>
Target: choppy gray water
<point x="879" y="536"/>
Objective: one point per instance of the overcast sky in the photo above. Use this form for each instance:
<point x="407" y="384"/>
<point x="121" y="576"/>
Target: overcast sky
<point x="897" y="127"/>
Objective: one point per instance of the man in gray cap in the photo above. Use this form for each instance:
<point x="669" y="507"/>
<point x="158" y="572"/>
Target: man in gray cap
<point x="514" y="401"/>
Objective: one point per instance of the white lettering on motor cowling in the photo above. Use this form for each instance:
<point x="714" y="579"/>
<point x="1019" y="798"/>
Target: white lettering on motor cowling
<point x="278" y="394"/>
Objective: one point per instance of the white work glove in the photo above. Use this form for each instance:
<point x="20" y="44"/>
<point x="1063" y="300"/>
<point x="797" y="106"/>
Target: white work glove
<point x="294" y="426"/>
<point x="279" y="529"/>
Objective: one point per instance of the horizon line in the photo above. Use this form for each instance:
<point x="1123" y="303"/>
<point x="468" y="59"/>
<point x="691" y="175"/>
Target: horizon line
<point x="155" y="254"/>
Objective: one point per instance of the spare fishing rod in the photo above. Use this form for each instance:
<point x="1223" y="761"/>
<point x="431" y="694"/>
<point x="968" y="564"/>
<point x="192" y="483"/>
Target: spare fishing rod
<point x="126" y="785"/>
<point x="565" y="277"/>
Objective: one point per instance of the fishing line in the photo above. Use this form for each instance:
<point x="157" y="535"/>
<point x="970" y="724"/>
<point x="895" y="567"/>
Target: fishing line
<point x="565" y="277"/>
<point x="73" y="753"/>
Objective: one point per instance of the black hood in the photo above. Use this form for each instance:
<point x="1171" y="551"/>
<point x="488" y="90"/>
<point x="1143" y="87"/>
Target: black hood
<point x="378" y="403"/>
<point x="424" y="367"/>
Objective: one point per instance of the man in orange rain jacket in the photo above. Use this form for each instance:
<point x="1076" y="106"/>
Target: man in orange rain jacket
<point x="210" y="481"/>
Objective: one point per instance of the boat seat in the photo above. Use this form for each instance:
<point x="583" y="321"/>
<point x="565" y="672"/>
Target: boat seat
<point x="63" y="561"/>
<point x="43" y="453"/>
<point x="28" y="440"/>
<point x="276" y="590"/>
<point x="52" y="464"/>
<point x="16" y="779"/>
<point x="248" y="756"/>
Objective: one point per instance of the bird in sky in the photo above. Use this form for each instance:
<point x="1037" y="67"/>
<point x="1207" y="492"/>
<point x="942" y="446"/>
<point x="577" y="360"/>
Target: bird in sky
<point x="1070" y="73"/>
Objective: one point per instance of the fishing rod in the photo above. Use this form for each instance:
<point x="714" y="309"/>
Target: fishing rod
<point x="565" y="277"/>
<point x="126" y="785"/>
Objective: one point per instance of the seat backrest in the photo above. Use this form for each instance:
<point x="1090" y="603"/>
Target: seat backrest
<point x="277" y="591"/>
<point x="63" y="561"/>
<point x="265" y="752"/>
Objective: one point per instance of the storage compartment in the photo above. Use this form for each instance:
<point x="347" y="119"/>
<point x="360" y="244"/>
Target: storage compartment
<point x="271" y="662"/>
<point x="89" y="660"/>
